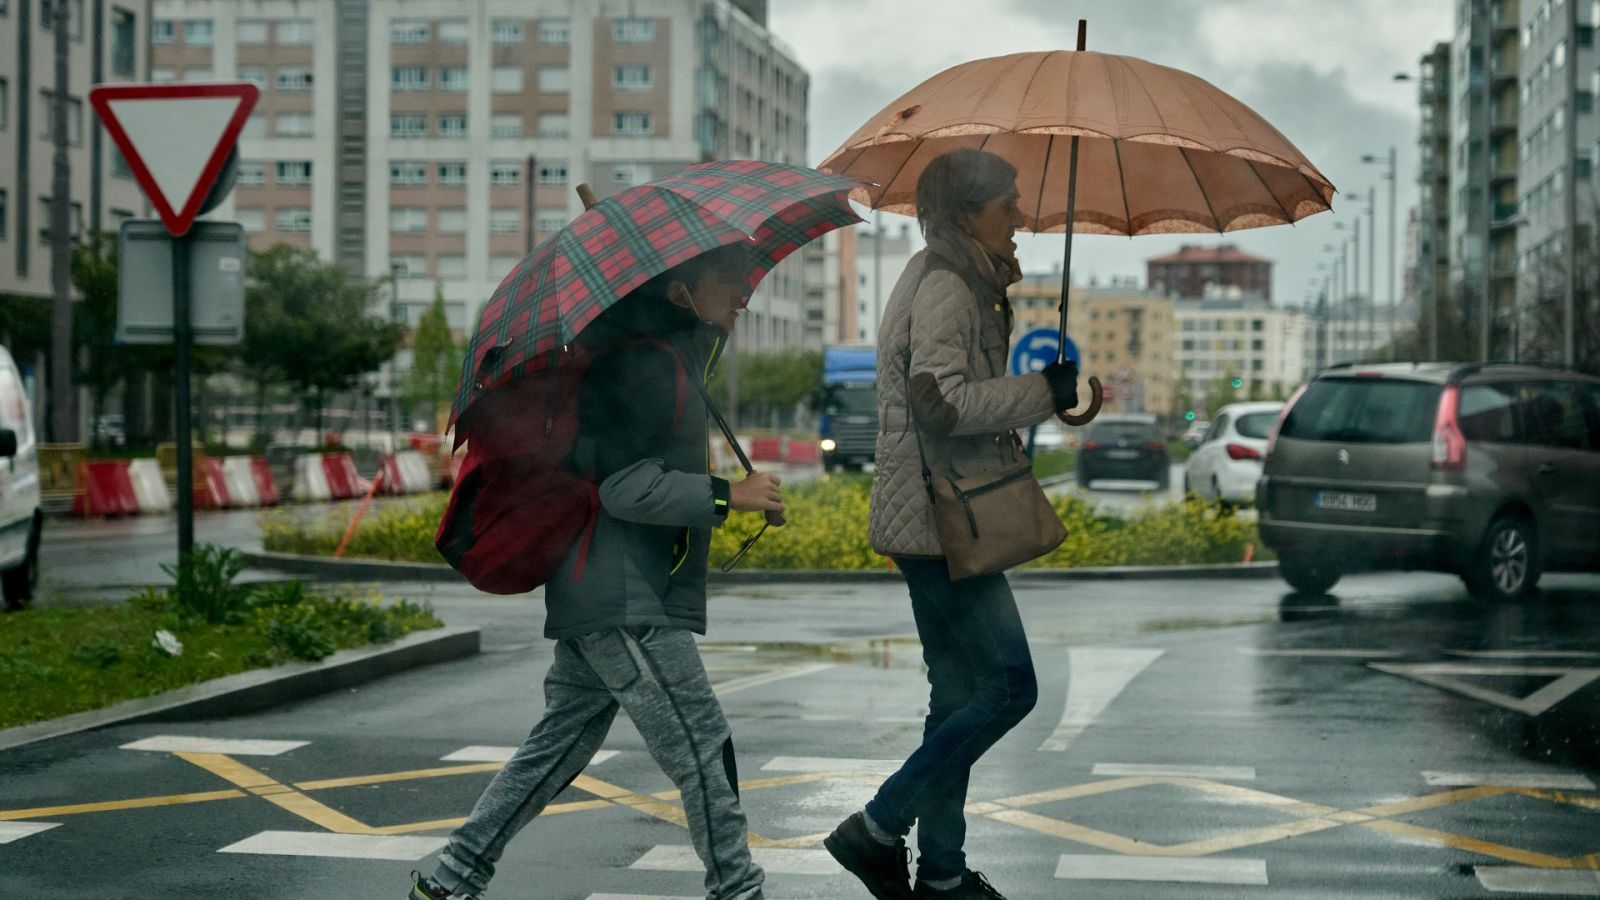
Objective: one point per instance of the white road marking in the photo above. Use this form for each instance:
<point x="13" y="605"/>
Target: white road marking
<point x="1330" y="653"/>
<point x="1112" y="867"/>
<point x="477" y="754"/>
<point x="742" y="684"/>
<point x="1567" y="681"/>
<point x="16" y="831"/>
<point x="776" y="860"/>
<point x="828" y="764"/>
<point x="1096" y="676"/>
<point x="1524" y="654"/>
<point x="1215" y="773"/>
<point x="338" y="846"/>
<point x="175" y="743"/>
<point x="1509" y="779"/>
<point x="1517" y="880"/>
<point x="636" y="897"/>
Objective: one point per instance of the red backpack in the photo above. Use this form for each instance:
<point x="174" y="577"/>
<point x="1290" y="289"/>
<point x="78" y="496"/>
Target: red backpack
<point x="517" y="507"/>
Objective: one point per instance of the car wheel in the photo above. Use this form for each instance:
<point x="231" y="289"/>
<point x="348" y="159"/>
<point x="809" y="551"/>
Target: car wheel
<point x="1308" y="573"/>
<point x="1506" y="566"/>
<point x="1083" y="478"/>
<point x="19" y="581"/>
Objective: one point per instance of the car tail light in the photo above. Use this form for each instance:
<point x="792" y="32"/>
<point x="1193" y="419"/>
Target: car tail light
<point x="1272" y="436"/>
<point x="1449" y="444"/>
<point x="1240" y="451"/>
<point x="1154" y="445"/>
<point x="1091" y="445"/>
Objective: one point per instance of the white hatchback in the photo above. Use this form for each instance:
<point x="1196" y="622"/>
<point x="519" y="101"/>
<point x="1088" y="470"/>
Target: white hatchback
<point x="20" y="517"/>
<point x="1227" y="463"/>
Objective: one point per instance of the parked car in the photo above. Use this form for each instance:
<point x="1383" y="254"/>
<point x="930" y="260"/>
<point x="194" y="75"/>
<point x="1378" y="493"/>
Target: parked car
<point x="1485" y="470"/>
<point x="20" y="516"/>
<point x="1194" y="434"/>
<point x="1128" y="446"/>
<point x="1050" y="435"/>
<point x="1227" y="464"/>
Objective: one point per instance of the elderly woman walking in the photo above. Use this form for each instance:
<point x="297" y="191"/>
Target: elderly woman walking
<point x="943" y="343"/>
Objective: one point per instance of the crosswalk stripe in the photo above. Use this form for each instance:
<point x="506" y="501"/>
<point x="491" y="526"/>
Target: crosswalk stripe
<point x="829" y="764"/>
<point x="1509" y="779"/>
<point x="1108" y="867"/>
<point x="177" y="743"/>
<point x="503" y="755"/>
<point x="16" y="831"/>
<point x="337" y="846"/>
<point x="1219" y="773"/>
<point x="776" y="860"/>
<point x="1517" y="880"/>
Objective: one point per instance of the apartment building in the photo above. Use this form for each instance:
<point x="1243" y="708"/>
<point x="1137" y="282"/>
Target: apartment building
<point x="830" y="289"/>
<point x="1189" y="271"/>
<point x="883" y="250"/>
<point x="438" y="141"/>
<point x="1229" y="333"/>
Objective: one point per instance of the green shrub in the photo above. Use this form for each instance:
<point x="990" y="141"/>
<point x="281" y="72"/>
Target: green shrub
<point x="203" y="583"/>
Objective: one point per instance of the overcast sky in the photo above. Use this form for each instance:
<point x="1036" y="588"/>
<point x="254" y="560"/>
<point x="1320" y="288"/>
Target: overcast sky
<point x="1321" y="72"/>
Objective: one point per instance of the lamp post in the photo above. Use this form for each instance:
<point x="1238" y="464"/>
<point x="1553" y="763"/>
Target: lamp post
<point x="1394" y="240"/>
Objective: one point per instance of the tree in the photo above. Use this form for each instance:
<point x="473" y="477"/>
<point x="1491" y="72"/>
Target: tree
<point x="311" y="325"/>
<point x="435" y="360"/>
<point x="771" y="385"/>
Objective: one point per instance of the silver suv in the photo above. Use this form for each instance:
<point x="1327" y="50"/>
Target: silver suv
<point x="1490" y="471"/>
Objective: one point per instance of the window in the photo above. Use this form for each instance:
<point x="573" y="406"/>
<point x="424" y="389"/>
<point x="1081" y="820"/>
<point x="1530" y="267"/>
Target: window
<point x="251" y="32"/>
<point x="251" y="218"/>
<point x="295" y="31"/>
<point x="198" y="32"/>
<point x="295" y="173"/>
<point x="554" y="80"/>
<point x="297" y="125"/>
<point x="625" y="173"/>
<point x="453" y="31"/>
<point x="408" y="125"/>
<point x="408" y="174"/>
<point x="1552" y="415"/>
<point x="1488" y="412"/>
<point x="3" y="217"/>
<point x="74" y="118"/>
<point x="293" y="78"/>
<point x="192" y="74"/>
<point x="162" y="32"/>
<point x="453" y="78"/>
<point x="452" y="220"/>
<point x="553" y="125"/>
<point x="501" y="266"/>
<point x="408" y="219"/>
<point x="553" y="174"/>
<point x="119" y="164"/>
<point x="122" y="53"/>
<point x="549" y="222"/>
<point x="5" y="104"/>
<point x="452" y="174"/>
<point x="254" y="127"/>
<point x="409" y="265"/>
<point x="292" y="219"/>
<point x="505" y="125"/>
<point x="505" y="174"/>
<point x="505" y="220"/>
<point x="505" y="31"/>
<point x="629" y="123"/>
<point x="163" y="76"/>
<point x="408" y="78"/>
<point x="257" y="77"/>
<point x="630" y="78"/>
<point x="251" y="174"/>
<point x="408" y="31"/>
<point x="633" y="31"/>
<point x="453" y="126"/>
<point x="506" y="79"/>
<point x="450" y="265"/>
<point x="555" y="31"/>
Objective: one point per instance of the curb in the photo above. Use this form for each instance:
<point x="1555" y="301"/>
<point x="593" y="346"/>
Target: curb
<point x="260" y="689"/>
<point x="381" y="570"/>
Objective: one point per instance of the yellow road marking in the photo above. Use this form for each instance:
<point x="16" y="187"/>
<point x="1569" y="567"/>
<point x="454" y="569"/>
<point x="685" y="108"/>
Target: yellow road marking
<point x="1433" y="801"/>
<point x="228" y="769"/>
<point x="785" y="780"/>
<point x="362" y="780"/>
<point x="1093" y="837"/>
<point x="39" y="812"/>
<point x="1088" y="789"/>
<point x="1252" y="837"/>
<point x="283" y="797"/>
<point x="1471" y="845"/>
<point x="794" y="843"/>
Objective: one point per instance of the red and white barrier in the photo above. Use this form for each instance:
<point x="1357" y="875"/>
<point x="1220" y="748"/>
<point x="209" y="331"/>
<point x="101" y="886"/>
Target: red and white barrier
<point x="803" y="453"/>
<point x="344" y="481"/>
<point x="211" y="486"/>
<point x="766" y="449"/>
<point x="240" y="482"/>
<point x="261" y="475"/>
<point x="149" y="487"/>
<point x="310" y="478"/>
<point x="107" y="489"/>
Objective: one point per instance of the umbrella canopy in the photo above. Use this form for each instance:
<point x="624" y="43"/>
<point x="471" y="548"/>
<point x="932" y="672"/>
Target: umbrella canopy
<point x="625" y="240"/>
<point x="1165" y="151"/>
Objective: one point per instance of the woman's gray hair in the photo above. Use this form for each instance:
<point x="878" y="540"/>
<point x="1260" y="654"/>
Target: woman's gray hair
<point x="959" y="183"/>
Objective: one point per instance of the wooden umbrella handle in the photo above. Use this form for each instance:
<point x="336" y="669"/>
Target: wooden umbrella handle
<point x="586" y="194"/>
<point x="1097" y="396"/>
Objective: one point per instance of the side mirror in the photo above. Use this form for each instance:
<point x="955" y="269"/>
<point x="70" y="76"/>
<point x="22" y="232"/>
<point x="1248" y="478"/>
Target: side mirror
<point x="8" y="443"/>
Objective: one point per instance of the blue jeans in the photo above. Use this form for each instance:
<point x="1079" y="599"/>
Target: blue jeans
<point x="982" y="681"/>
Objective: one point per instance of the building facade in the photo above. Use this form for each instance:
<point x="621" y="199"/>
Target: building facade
<point x="883" y="249"/>
<point x="1189" y="272"/>
<point x="438" y="141"/>
<point x="1230" y="334"/>
<point x="1434" y="169"/>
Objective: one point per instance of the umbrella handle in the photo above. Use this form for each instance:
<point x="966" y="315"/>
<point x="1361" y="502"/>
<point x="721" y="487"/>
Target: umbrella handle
<point x="1097" y="396"/>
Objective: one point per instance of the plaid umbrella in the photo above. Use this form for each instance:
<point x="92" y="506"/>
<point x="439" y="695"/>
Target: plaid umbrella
<point x="633" y="236"/>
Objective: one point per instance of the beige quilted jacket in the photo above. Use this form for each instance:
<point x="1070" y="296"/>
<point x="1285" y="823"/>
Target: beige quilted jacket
<point x="967" y="405"/>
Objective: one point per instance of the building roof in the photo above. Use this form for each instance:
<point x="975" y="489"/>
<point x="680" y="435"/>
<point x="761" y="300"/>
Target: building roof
<point x="1223" y="253"/>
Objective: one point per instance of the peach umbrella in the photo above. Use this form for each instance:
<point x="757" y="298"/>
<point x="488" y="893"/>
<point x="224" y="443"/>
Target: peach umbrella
<point x="1162" y="151"/>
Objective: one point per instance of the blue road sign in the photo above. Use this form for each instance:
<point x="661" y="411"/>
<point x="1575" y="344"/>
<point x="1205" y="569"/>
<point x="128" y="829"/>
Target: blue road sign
<point x="1037" y="349"/>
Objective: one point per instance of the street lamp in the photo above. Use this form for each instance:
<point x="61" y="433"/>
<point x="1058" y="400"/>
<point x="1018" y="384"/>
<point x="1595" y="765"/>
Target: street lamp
<point x="1394" y="237"/>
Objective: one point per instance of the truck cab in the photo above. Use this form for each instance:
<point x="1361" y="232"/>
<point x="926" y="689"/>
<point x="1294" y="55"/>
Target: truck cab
<point x="848" y="404"/>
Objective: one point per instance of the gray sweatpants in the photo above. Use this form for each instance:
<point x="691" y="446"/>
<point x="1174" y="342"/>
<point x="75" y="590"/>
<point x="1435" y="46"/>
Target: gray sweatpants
<point x="656" y="675"/>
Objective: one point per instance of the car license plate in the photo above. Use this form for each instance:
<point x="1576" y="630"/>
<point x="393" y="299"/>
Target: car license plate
<point x="1122" y="454"/>
<point x="1347" y="502"/>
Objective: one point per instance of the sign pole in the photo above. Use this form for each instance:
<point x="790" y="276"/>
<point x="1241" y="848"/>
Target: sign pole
<point x="181" y="338"/>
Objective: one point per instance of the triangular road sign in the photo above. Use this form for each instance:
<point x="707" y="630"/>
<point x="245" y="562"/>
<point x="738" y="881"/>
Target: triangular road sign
<point x="1449" y="677"/>
<point x="175" y="137"/>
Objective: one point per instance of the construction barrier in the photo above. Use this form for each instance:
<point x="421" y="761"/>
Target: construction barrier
<point x="240" y="482"/>
<point x="261" y="474"/>
<point x="310" y="478"/>
<point x="210" y="485"/>
<point x="803" y="453"/>
<point x="343" y="480"/>
<point x="405" y="472"/>
<point x="60" y="478"/>
<point x="107" y="489"/>
<point x="766" y="449"/>
<point x="149" y="488"/>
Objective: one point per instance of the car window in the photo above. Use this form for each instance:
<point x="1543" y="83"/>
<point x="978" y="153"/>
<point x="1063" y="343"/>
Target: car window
<point x="1364" y="411"/>
<point x="1256" y="425"/>
<point x="1488" y="412"/>
<point x="1591" y="411"/>
<point x="1132" y="432"/>
<point x="1217" y="430"/>
<point x="1553" y="415"/>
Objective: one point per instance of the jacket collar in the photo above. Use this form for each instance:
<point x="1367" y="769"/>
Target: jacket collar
<point x="967" y="256"/>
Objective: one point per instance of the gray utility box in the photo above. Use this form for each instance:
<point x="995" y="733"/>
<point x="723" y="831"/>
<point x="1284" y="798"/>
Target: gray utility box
<point x="144" y="282"/>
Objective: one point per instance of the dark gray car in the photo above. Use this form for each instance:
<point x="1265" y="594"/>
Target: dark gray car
<point x="1489" y="471"/>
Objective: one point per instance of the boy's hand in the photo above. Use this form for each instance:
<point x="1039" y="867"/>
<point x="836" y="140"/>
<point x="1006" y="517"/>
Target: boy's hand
<point x="758" y="492"/>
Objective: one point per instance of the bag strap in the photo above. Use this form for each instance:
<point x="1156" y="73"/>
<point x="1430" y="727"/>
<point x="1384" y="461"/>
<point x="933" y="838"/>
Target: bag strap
<point x="911" y="403"/>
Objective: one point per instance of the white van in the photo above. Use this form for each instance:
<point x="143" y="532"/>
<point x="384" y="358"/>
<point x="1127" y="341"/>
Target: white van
<point x="20" y="518"/>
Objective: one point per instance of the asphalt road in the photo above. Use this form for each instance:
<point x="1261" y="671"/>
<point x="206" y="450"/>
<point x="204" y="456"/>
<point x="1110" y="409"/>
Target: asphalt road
<point x="1193" y="739"/>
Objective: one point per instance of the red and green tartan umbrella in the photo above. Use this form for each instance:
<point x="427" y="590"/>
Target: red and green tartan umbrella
<point x="633" y="236"/>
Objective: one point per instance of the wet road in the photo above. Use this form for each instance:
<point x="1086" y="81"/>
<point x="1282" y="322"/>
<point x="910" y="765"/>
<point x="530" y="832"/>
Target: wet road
<point x="1193" y="739"/>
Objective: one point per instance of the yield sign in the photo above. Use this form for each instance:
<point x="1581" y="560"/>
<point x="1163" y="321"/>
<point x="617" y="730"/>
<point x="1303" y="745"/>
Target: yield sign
<point x="175" y="137"/>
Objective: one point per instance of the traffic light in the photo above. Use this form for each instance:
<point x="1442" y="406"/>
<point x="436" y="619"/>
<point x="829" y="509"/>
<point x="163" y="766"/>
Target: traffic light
<point x="1189" y="416"/>
<point x="1238" y="383"/>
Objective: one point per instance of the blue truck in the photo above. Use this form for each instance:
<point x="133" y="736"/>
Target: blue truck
<point x="848" y="403"/>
